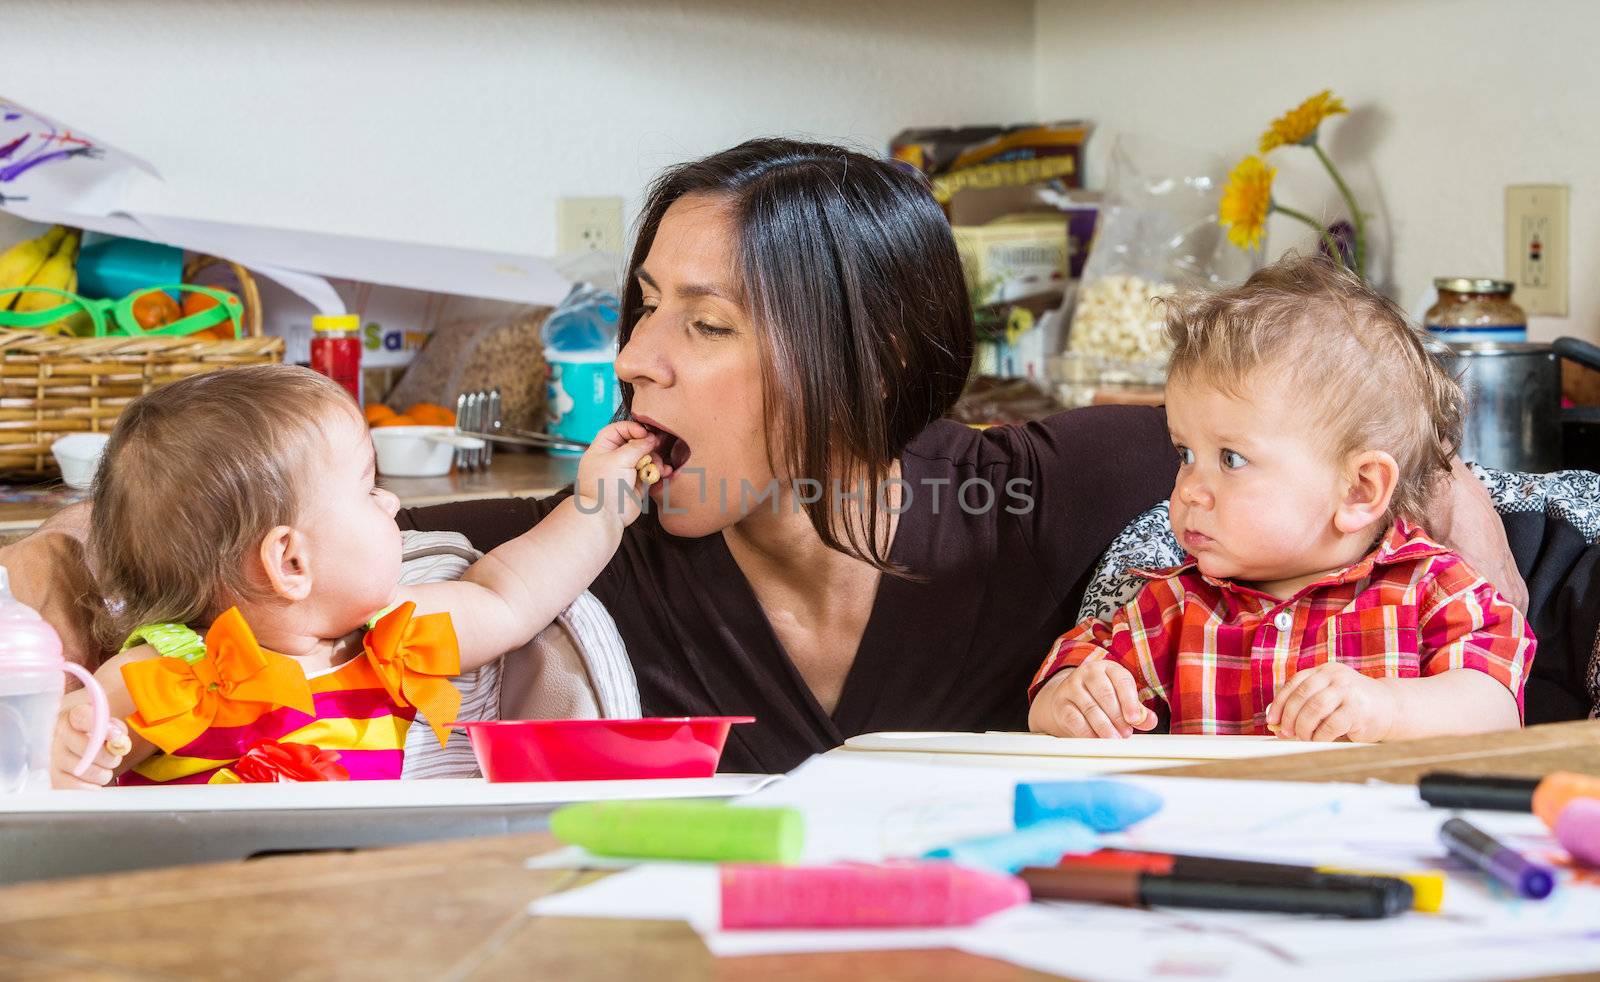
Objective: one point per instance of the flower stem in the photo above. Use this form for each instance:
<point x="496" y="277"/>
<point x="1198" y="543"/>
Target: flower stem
<point x="1327" y="237"/>
<point x="1350" y="203"/>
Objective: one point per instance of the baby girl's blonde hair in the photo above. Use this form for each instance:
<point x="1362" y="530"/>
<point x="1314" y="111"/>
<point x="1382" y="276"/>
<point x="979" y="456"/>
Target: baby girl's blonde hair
<point x="1346" y="352"/>
<point x="195" y="475"/>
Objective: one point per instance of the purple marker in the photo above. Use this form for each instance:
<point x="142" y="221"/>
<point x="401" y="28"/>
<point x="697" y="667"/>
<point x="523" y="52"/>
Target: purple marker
<point x="1472" y="844"/>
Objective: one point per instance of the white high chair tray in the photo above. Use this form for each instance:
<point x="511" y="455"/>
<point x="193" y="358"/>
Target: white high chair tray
<point x="362" y="795"/>
<point x="49" y="834"/>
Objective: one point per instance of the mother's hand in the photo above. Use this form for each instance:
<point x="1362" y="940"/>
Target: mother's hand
<point x="49" y="572"/>
<point x="1463" y="517"/>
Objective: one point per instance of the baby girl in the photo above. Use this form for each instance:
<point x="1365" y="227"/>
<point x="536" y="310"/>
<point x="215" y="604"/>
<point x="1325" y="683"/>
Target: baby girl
<point x="251" y="565"/>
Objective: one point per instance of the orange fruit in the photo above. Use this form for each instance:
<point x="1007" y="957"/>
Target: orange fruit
<point x="155" y="309"/>
<point x="378" y="412"/>
<point x="194" y="303"/>
<point x="431" y="414"/>
<point x="396" y="421"/>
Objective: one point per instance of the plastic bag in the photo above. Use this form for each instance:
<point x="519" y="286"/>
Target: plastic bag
<point x="585" y="321"/>
<point x="1158" y="233"/>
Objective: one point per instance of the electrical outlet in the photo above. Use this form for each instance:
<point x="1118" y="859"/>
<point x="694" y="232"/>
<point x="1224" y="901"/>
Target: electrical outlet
<point x="1536" y="247"/>
<point x="589" y="225"/>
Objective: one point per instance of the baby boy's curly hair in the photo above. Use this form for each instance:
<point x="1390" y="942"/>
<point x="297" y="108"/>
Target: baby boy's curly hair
<point x="1345" y="351"/>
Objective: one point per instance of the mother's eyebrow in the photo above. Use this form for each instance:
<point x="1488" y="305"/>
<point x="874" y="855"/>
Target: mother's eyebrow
<point x="689" y="290"/>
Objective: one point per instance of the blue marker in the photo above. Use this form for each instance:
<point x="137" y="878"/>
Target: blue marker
<point x="1105" y="806"/>
<point x="1041" y="844"/>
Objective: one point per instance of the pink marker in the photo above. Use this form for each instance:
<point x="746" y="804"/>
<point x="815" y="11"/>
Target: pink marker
<point x="848" y="895"/>
<point x="1578" y="830"/>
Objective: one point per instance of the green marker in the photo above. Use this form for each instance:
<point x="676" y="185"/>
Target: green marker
<point x="693" y="830"/>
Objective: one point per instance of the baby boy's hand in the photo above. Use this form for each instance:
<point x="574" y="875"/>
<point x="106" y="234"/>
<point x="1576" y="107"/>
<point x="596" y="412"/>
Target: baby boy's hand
<point x="1332" y="701"/>
<point x="613" y="466"/>
<point x="1098" y="698"/>
<point x="72" y="739"/>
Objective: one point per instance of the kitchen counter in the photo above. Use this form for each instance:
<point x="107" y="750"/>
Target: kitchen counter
<point x="514" y="475"/>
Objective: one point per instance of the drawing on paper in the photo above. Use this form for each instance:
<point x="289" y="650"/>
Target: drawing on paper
<point x="28" y="140"/>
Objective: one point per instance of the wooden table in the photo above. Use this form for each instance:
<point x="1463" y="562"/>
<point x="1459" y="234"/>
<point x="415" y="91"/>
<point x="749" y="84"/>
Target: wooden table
<point x="458" y="910"/>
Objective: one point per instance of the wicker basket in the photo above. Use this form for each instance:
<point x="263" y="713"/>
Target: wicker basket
<point x="51" y="386"/>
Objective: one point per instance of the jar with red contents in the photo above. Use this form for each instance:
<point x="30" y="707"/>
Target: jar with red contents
<point x="336" y="350"/>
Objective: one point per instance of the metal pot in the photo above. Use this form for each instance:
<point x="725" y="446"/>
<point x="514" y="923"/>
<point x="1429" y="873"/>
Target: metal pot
<point x="1514" y="411"/>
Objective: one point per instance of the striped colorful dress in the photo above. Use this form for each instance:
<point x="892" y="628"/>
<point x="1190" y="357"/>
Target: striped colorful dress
<point x="207" y="703"/>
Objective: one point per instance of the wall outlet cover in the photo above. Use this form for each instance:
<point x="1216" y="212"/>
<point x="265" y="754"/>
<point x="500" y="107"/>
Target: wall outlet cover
<point x="1537" y="257"/>
<point x="589" y="225"/>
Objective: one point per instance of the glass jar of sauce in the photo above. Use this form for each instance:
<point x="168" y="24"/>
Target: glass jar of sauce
<point x="336" y="350"/>
<point x="1471" y="310"/>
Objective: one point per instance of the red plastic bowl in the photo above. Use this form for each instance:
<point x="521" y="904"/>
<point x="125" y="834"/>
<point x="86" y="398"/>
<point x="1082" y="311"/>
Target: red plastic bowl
<point x="599" y="749"/>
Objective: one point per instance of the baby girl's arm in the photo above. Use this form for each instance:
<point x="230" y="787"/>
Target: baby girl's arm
<point x="76" y="717"/>
<point x="516" y="591"/>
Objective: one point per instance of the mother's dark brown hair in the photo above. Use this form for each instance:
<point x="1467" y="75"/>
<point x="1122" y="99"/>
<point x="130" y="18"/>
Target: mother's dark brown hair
<point x="850" y="274"/>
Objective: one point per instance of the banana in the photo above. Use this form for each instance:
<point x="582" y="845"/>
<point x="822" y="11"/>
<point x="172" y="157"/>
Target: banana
<point x="59" y="272"/>
<point x="21" y="263"/>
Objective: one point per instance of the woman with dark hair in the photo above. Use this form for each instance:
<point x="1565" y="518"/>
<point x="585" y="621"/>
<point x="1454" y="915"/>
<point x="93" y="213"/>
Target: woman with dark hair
<point x="828" y="553"/>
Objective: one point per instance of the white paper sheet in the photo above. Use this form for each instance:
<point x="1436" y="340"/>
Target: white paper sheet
<point x="862" y="809"/>
<point x="870" y="807"/>
<point x="1064" y="768"/>
<point x="1151" y="746"/>
<point x="51" y="173"/>
<point x="1106" y="944"/>
<point x="46" y="163"/>
<point x="867" y="810"/>
<point x="445" y="793"/>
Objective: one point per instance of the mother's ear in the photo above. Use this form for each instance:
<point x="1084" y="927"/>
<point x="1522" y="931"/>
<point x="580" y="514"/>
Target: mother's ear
<point x="286" y="563"/>
<point x="1370" y="480"/>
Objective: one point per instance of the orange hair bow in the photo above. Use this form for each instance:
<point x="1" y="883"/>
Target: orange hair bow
<point x="236" y="682"/>
<point x="415" y="658"/>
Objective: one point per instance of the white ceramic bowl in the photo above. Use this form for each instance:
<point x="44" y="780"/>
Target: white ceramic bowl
<point x="79" y="456"/>
<point x="418" y="451"/>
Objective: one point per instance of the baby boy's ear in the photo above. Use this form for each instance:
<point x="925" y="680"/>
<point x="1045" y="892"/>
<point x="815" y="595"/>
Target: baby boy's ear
<point x="1369" y="487"/>
<point x="286" y="564"/>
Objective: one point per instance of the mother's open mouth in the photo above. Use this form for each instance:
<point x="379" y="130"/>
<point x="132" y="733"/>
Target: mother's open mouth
<point x="673" y="449"/>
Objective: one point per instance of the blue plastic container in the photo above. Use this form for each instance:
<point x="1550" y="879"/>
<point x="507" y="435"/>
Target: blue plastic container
<point x="112" y="268"/>
<point x="583" y="395"/>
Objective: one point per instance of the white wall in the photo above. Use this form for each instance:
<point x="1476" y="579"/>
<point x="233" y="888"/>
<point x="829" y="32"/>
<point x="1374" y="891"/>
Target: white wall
<point x="460" y="122"/>
<point x="1451" y="101"/>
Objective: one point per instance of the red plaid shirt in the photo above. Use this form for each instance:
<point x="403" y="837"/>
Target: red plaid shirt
<point x="1217" y="652"/>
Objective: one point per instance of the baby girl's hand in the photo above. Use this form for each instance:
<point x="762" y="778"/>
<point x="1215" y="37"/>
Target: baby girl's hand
<point x="72" y="739"/>
<point x="1332" y="701"/>
<point x="613" y="467"/>
<point x="1098" y="698"/>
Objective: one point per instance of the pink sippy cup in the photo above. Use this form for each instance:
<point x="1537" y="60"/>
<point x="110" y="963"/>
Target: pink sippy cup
<point x="30" y="696"/>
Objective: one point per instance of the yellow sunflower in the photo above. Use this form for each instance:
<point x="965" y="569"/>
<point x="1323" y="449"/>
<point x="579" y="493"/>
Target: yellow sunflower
<point x="1299" y="125"/>
<point x="1246" y="201"/>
